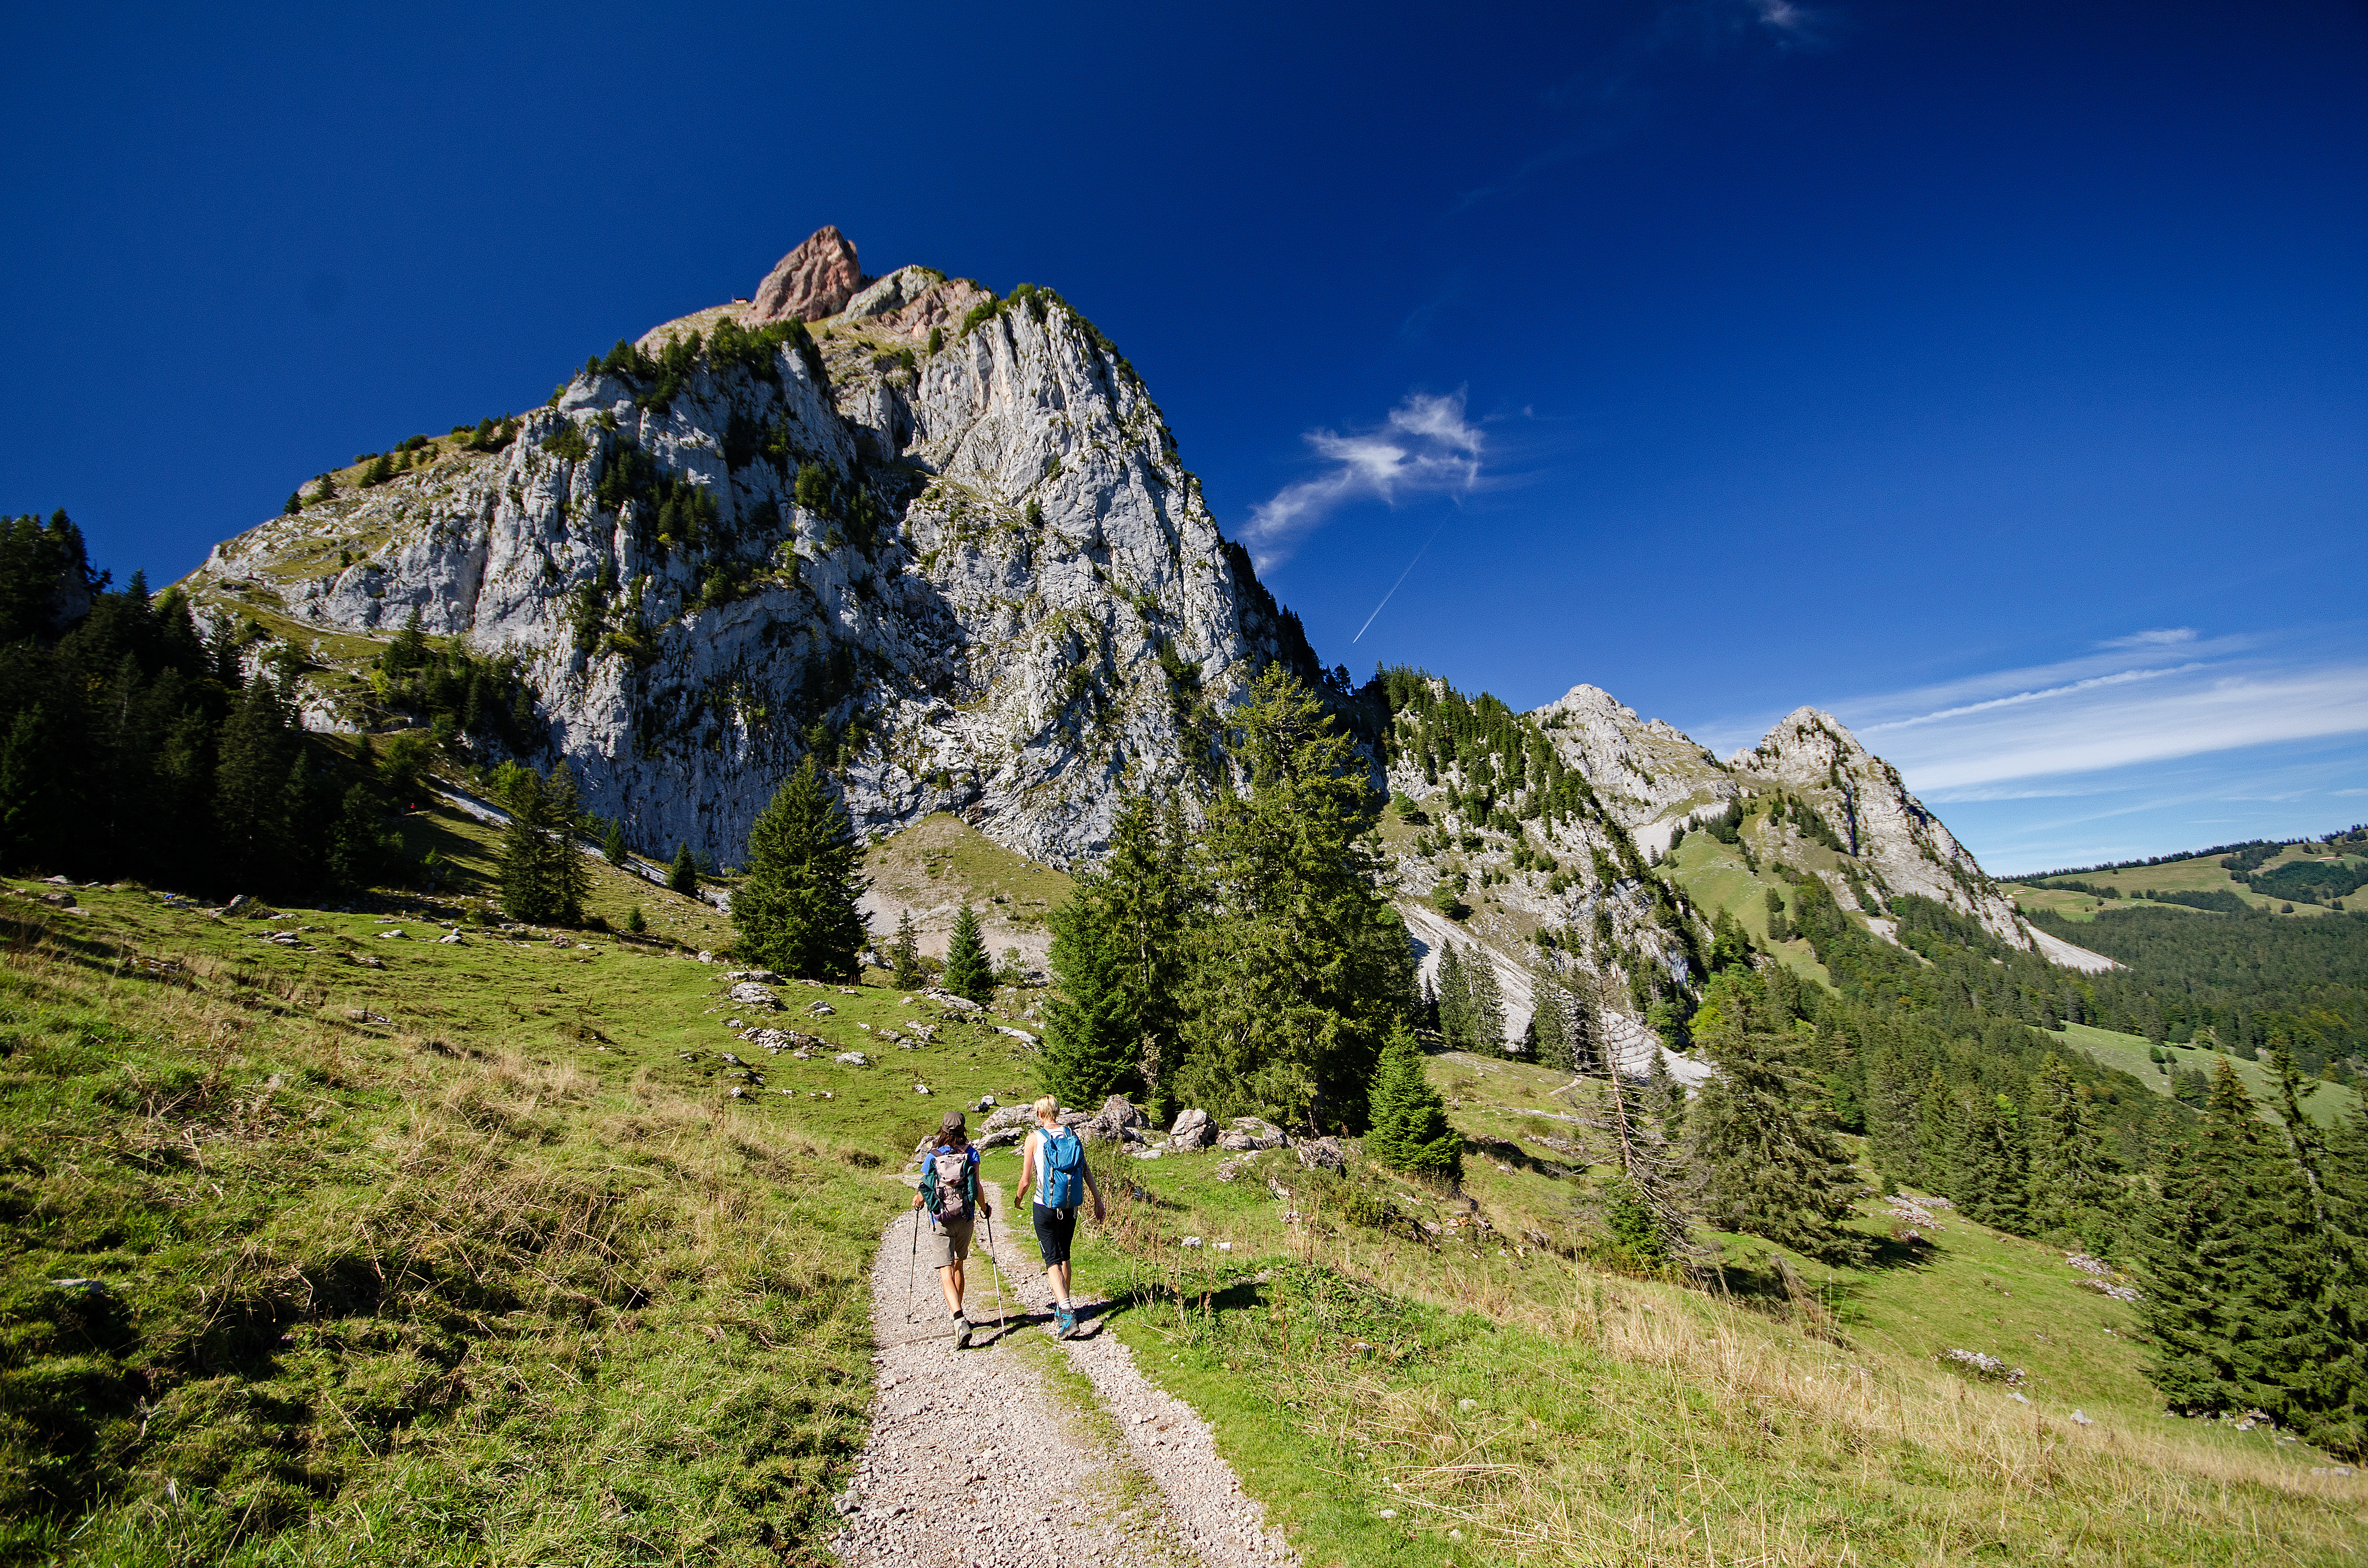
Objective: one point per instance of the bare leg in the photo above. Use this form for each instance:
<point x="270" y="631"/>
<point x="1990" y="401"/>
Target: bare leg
<point x="1058" y="1276"/>
<point x="950" y="1281"/>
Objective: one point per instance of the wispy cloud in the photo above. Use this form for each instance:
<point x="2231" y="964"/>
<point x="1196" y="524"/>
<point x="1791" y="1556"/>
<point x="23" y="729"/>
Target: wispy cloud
<point x="2057" y="730"/>
<point x="2075" y="689"/>
<point x="1426" y="447"/>
<point x="2204" y="711"/>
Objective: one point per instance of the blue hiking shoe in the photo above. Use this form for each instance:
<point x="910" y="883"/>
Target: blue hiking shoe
<point x="1065" y="1322"/>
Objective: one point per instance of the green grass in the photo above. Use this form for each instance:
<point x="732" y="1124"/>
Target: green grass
<point x="2199" y="874"/>
<point x="1714" y="878"/>
<point x="473" y="1260"/>
<point x="460" y="1259"/>
<point x="1490" y="1385"/>
<point x="943" y="859"/>
<point x="2326" y="1105"/>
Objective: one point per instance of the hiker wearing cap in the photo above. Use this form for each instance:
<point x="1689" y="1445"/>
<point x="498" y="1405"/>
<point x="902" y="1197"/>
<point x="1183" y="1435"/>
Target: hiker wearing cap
<point x="949" y="1190"/>
<point x="1053" y="1160"/>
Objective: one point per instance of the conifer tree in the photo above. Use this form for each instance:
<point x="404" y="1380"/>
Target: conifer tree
<point x="968" y="971"/>
<point x="1938" y="1134"/>
<point x="1991" y="1174"/>
<point x="1484" y="1005"/>
<point x="1455" y="1000"/>
<point x="1300" y="976"/>
<point x="251" y="782"/>
<point x="905" y="956"/>
<point x="1550" y="1032"/>
<point x="529" y="893"/>
<point x="1407" y="1120"/>
<point x="570" y="878"/>
<point x="1090" y="1037"/>
<point x="1147" y="900"/>
<point x="1770" y="1164"/>
<point x="795" y="909"/>
<point x="613" y="848"/>
<point x="363" y="849"/>
<point x="2074" y="1185"/>
<point x="2233" y="1268"/>
<point x="682" y="877"/>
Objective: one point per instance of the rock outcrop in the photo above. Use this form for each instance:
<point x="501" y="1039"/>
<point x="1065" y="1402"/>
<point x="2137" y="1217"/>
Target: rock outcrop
<point x="976" y="580"/>
<point x="813" y="281"/>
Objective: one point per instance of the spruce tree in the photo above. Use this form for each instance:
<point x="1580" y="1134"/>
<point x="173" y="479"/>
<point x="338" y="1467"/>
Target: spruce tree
<point x="250" y="783"/>
<point x="682" y="877"/>
<point x="906" y="953"/>
<point x="363" y="849"/>
<point x="1090" y="1035"/>
<point x="1549" y="1035"/>
<point x="968" y="971"/>
<point x="613" y="848"/>
<point x="1938" y="1133"/>
<point x="1992" y="1178"/>
<point x="1147" y="902"/>
<point x="2075" y="1185"/>
<point x="1455" y="1000"/>
<point x="2233" y="1268"/>
<point x="1771" y="1163"/>
<point x="571" y="880"/>
<point x="1303" y="970"/>
<point x="1485" y="1007"/>
<point x="795" y="909"/>
<point x="1406" y="1118"/>
<point x="525" y="869"/>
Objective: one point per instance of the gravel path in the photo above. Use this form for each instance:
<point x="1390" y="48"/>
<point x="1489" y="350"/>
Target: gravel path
<point x="982" y="1459"/>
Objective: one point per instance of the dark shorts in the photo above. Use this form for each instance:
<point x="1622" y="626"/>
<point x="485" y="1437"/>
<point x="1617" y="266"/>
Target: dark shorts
<point x="1054" y="1229"/>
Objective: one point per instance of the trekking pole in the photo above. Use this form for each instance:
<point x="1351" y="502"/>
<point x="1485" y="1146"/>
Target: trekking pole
<point x="1001" y="1317"/>
<point x="912" y="1268"/>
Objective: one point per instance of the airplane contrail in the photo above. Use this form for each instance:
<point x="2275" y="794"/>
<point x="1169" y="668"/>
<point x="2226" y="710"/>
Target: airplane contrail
<point x="1400" y="583"/>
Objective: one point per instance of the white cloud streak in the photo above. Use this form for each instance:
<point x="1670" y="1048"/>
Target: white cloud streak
<point x="1426" y="447"/>
<point x="2098" y="725"/>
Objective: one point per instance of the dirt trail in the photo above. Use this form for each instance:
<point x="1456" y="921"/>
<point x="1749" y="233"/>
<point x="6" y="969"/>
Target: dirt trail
<point x="1002" y="1456"/>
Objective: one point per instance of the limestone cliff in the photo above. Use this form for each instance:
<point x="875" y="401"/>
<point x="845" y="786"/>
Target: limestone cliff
<point x="944" y="539"/>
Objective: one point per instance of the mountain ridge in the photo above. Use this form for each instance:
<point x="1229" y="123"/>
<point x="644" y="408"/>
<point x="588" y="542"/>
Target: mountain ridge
<point x="944" y="541"/>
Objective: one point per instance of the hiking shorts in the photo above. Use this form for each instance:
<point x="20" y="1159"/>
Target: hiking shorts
<point x="948" y="1243"/>
<point x="1055" y="1228"/>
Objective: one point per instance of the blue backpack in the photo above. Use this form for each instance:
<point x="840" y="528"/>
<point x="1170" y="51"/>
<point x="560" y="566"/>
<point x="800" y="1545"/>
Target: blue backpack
<point x="1062" y="1156"/>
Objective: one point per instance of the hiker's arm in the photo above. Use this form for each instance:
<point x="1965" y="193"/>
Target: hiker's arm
<point x="1026" y="1163"/>
<point x="1088" y="1167"/>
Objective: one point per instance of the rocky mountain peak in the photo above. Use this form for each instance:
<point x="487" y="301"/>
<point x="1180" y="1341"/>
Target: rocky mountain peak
<point x="813" y="281"/>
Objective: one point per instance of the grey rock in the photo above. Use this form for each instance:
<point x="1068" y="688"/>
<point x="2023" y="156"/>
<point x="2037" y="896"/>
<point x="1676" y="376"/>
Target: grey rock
<point x="1322" y="1153"/>
<point x="748" y="993"/>
<point x="853" y="1059"/>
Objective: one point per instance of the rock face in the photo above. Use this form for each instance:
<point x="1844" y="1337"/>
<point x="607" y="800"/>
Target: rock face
<point x="1904" y="847"/>
<point x="944" y="543"/>
<point x="813" y="281"/>
<point x="976" y="580"/>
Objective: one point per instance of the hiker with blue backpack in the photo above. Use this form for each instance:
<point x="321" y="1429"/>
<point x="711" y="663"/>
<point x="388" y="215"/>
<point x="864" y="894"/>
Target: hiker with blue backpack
<point x="949" y="1190"/>
<point x="1052" y="1169"/>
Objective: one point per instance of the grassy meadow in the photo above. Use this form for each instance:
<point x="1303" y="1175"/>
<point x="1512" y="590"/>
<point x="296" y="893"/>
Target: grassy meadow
<point x="407" y="1251"/>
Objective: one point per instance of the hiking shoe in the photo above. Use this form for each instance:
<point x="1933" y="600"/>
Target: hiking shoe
<point x="962" y="1332"/>
<point x="1065" y="1322"/>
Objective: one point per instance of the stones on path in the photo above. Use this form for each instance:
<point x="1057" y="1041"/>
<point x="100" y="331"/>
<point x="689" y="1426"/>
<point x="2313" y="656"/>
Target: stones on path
<point x="975" y="1460"/>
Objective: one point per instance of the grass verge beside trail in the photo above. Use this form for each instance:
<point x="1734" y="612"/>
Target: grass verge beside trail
<point x="1395" y="1397"/>
<point x="455" y="1262"/>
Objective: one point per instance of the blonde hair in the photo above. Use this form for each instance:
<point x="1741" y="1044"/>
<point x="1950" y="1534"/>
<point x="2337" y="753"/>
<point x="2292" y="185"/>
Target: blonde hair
<point x="1047" y="1109"/>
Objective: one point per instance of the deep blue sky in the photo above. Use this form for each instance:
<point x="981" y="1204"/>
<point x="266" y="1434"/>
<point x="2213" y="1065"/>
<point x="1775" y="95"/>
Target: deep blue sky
<point x="2003" y="363"/>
